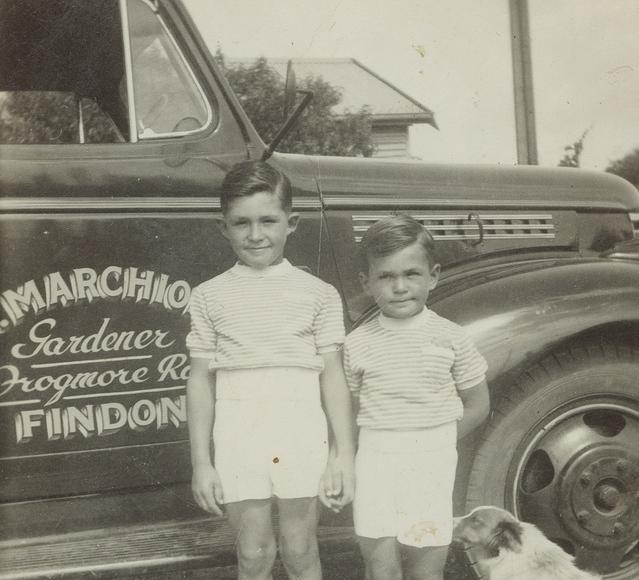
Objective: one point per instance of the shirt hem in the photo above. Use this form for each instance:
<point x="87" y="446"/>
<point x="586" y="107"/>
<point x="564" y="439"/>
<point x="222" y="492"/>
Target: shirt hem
<point x="317" y="368"/>
<point x="201" y="354"/>
<point x="410" y="428"/>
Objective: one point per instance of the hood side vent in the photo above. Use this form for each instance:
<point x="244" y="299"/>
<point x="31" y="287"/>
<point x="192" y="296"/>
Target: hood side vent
<point x="496" y="226"/>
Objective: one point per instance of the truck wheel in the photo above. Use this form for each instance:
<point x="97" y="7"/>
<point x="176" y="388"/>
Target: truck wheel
<point x="562" y="451"/>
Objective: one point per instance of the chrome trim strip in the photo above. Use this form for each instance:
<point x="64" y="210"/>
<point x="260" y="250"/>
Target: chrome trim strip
<point x="367" y="201"/>
<point x="464" y="216"/>
<point x="98" y="204"/>
<point x="475" y="227"/>
<point x="107" y="215"/>
<point x="488" y="237"/>
<point x="128" y="66"/>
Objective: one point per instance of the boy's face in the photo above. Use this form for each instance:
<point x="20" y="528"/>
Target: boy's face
<point x="400" y="283"/>
<point x="257" y="226"/>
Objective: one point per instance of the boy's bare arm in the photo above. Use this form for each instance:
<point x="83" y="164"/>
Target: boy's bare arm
<point x="336" y="397"/>
<point x="476" y="402"/>
<point x="355" y="412"/>
<point x="200" y="410"/>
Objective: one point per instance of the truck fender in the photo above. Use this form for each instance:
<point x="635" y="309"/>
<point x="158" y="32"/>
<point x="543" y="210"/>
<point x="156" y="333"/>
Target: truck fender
<point x="519" y="313"/>
<point x="559" y="449"/>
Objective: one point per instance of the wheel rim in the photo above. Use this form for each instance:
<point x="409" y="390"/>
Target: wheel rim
<point x="578" y="480"/>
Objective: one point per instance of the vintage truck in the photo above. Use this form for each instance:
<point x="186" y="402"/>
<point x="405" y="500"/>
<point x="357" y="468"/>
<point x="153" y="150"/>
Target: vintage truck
<point x="107" y="211"/>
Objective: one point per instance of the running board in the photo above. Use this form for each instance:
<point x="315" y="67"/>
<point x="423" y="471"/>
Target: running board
<point x="109" y="553"/>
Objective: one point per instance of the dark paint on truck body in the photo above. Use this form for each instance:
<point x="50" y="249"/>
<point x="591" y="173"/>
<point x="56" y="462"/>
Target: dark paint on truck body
<point x="103" y="243"/>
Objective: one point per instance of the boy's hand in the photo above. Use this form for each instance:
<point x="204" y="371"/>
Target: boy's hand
<point x="338" y="483"/>
<point x="207" y="489"/>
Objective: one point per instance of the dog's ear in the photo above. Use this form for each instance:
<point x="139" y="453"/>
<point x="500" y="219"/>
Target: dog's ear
<point x="507" y="536"/>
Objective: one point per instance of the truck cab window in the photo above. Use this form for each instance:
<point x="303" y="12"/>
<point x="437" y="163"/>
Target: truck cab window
<point x="54" y="117"/>
<point x="67" y="76"/>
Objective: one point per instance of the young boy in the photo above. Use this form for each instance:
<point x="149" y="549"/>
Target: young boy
<point x="265" y="346"/>
<point x="413" y="375"/>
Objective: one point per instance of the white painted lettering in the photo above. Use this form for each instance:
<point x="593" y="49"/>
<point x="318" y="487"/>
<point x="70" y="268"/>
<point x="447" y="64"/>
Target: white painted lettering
<point x="78" y="420"/>
<point x="42" y="341"/>
<point x="25" y="422"/>
<point x="86" y="284"/>
<point x="177" y="295"/>
<point x="102" y="420"/>
<point x="57" y="291"/>
<point x="141" y="415"/>
<point x="17" y="303"/>
<point x="171" y="412"/>
<point x="53" y="419"/>
<point x="173" y="367"/>
<point x="106" y="290"/>
<point x="110" y="418"/>
<point x="138" y="286"/>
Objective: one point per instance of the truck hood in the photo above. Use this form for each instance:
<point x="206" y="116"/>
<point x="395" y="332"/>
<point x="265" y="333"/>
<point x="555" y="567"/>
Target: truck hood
<point x="348" y="181"/>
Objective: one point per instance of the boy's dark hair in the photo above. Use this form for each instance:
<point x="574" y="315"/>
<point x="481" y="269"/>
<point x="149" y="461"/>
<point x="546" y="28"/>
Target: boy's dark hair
<point x="394" y="233"/>
<point x="250" y="177"/>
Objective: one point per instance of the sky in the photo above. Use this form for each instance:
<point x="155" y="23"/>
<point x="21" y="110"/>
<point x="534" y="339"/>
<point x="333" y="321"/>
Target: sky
<point x="455" y="58"/>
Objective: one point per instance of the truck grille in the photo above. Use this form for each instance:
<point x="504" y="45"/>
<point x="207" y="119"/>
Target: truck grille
<point x="634" y="218"/>
<point x="460" y="227"/>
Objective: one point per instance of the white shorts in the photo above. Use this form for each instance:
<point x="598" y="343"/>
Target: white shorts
<point x="405" y="484"/>
<point x="270" y="435"/>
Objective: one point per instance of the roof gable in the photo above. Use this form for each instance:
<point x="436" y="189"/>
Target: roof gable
<point x="359" y="86"/>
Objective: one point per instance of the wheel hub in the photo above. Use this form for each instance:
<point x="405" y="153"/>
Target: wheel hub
<point x="599" y="496"/>
<point x="607" y="496"/>
<point x="579" y="482"/>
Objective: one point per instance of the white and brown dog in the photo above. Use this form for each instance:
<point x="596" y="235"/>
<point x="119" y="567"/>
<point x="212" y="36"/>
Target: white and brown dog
<point x="514" y="550"/>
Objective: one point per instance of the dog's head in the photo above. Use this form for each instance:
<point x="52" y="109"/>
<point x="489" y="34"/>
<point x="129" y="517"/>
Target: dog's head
<point x="490" y="528"/>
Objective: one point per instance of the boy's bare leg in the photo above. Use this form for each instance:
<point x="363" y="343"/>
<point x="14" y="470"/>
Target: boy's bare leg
<point x="298" y="537"/>
<point x="256" y="548"/>
<point x="381" y="558"/>
<point x="425" y="563"/>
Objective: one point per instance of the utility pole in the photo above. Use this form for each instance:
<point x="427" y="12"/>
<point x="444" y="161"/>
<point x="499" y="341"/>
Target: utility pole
<point x="525" y="128"/>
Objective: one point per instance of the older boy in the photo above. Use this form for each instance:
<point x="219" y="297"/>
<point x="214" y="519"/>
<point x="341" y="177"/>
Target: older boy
<point x="265" y="346"/>
<point x="413" y="375"/>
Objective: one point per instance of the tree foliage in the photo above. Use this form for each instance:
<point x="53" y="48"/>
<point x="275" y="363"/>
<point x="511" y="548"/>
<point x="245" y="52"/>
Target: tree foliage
<point x="37" y="117"/>
<point x="52" y="117"/>
<point x="260" y="89"/>
<point x="572" y="157"/>
<point x="627" y="167"/>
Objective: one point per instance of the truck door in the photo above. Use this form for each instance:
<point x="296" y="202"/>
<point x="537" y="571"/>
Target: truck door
<point x="114" y="138"/>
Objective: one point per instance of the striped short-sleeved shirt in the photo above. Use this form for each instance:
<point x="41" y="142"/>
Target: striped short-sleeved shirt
<point x="407" y="372"/>
<point x="279" y="316"/>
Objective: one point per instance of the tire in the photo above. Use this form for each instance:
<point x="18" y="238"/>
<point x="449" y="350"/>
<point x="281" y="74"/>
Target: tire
<point x="562" y="451"/>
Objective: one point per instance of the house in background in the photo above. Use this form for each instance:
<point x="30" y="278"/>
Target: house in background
<point x="392" y="110"/>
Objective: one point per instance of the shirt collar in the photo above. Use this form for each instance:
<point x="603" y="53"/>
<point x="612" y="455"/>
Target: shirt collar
<point x="403" y="323"/>
<point x="277" y="270"/>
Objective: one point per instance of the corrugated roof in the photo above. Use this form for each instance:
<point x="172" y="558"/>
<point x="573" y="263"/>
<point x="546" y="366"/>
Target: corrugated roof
<point x="359" y="85"/>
